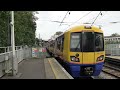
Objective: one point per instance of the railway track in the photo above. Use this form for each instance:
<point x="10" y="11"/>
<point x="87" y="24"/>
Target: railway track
<point x="112" y="71"/>
<point x="112" y="61"/>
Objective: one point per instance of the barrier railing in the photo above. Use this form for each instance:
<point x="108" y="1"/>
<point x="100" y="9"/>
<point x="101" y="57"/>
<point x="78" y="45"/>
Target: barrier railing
<point x="112" y="49"/>
<point x="6" y="57"/>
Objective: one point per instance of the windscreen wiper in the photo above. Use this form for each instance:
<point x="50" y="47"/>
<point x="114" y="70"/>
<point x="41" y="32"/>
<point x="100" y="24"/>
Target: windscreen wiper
<point x="77" y="46"/>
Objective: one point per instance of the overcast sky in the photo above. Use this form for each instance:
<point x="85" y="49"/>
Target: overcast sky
<point x="48" y="22"/>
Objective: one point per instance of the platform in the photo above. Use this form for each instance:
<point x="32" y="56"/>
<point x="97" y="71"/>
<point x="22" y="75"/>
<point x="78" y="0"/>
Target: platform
<point x="40" y="68"/>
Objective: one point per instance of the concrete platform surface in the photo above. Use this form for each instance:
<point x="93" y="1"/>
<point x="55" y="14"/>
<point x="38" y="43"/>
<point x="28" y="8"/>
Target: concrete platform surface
<point x="29" y="69"/>
<point x="40" y="68"/>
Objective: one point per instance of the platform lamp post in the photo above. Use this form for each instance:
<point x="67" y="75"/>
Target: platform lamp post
<point x="14" y="60"/>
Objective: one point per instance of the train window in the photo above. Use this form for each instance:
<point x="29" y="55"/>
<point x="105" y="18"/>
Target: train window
<point x="99" y="43"/>
<point x="75" y="43"/>
<point x="58" y="44"/>
<point x="88" y="42"/>
<point x="62" y="44"/>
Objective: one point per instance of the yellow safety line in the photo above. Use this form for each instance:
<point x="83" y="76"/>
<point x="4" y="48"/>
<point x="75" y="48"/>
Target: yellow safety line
<point x="53" y="69"/>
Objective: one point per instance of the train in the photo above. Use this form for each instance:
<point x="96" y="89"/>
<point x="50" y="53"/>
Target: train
<point x="80" y="49"/>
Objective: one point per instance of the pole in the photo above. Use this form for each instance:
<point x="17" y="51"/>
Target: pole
<point x="15" y="63"/>
<point x="39" y="36"/>
<point x="39" y="41"/>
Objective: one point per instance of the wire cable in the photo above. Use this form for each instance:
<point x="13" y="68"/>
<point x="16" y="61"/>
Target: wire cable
<point x="79" y="19"/>
<point x="96" y="18"/>
<point x="64" y="18"/>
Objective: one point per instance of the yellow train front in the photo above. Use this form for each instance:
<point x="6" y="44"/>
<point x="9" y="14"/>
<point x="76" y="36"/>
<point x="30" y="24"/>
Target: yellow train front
<point x="81" y="48"/>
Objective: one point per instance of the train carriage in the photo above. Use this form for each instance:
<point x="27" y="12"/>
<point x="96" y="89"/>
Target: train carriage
<point x="81" y="49"/>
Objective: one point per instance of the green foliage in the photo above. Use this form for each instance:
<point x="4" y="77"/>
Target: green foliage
<point x="115" y="34"/>
<point x="25" y="27"/>
<point x="58" y="33"/>
<point x="3" y="28"/>
<point x="37" y="41"/>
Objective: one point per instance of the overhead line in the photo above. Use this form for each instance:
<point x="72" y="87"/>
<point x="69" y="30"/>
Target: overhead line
<point x="96" y="18"/>
<point x="80" y="18"/>
<point x="63" y="18"/>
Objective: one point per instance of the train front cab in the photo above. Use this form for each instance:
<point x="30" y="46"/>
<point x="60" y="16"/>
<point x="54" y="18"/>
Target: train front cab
<point x="85" y="55"/>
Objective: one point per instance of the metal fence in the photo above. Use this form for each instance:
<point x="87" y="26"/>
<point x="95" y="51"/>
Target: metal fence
<point x="6" y="57"/>
<point x="112" y="49"/>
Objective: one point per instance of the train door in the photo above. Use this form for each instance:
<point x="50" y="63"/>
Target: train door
<point x="55" y="47"/>
<point x="99" y="47"/>
<point x="75" y="47"/>
<point x="88" y="55"/>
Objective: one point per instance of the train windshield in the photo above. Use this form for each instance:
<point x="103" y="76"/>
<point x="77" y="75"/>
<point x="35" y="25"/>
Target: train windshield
<point x="75" y="44"/>
<point x="99" y="42"/>
<point x="88" y="41"/>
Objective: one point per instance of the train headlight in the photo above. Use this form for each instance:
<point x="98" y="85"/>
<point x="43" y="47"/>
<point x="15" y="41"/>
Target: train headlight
<point x="100" y="58"/>
<point x="77" y="59"/>
<point x="74" y="59"/>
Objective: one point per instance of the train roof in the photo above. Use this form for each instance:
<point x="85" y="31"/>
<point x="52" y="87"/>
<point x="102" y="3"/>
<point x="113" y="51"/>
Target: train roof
<point x="82" y="27"/>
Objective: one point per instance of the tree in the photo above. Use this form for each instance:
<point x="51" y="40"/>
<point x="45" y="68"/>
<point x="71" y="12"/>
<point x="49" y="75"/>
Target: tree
<point x="25" y="27"/>
<point x="115" y="34"/>
<point x="37" y="41"/>
<point x="4" y="28"/>
<point x="58" y="33"/>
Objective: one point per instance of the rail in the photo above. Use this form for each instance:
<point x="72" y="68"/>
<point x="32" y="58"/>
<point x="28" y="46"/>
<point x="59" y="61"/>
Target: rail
<point x="112" y="61"/>
<point x="111" y="71"/>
